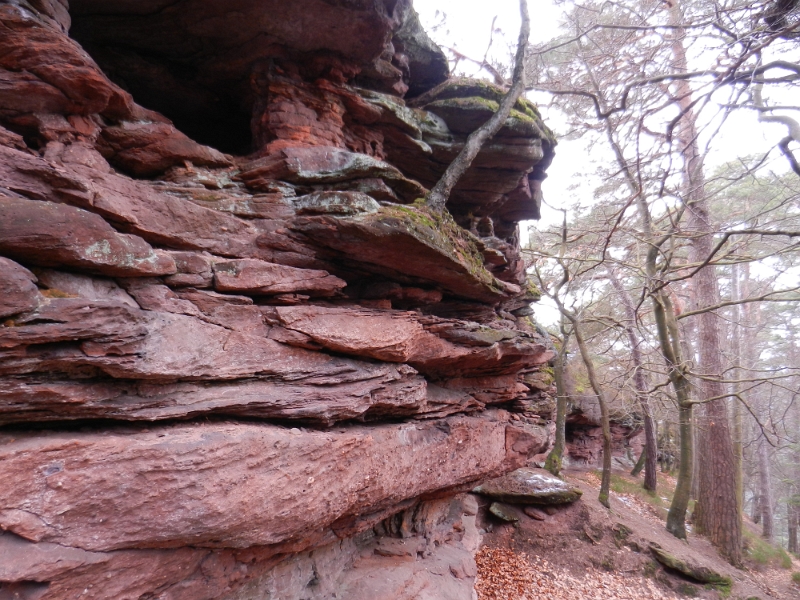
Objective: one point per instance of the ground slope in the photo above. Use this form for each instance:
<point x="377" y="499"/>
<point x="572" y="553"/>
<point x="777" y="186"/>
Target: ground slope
<point x="584" y="551"/>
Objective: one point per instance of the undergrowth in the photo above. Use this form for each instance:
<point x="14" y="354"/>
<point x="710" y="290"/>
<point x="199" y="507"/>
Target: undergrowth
<point x="764" y="553"/>
<point x="622" y="484"/>
<point x="661" y="498"/>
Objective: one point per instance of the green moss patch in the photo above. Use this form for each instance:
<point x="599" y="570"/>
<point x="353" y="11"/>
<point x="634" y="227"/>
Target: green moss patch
<point x="440" y="231"/>
<point x="463" y="103"/>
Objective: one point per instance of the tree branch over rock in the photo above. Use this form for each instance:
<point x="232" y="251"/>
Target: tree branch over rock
<point x="437" y="199"/>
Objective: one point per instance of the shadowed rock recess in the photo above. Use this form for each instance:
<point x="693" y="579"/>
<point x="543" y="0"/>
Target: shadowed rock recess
<point x="239" y="358"/>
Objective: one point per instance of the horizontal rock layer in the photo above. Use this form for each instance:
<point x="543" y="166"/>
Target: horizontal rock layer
<point x="238" y="353"/>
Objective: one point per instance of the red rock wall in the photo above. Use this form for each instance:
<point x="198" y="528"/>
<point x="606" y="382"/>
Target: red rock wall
<point x="212" y="363"/>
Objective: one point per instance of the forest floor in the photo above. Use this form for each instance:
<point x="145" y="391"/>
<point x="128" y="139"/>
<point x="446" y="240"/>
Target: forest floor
<point x="587" y="552"/>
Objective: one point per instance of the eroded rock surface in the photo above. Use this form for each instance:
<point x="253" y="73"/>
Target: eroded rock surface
<point x="239" y="356"/>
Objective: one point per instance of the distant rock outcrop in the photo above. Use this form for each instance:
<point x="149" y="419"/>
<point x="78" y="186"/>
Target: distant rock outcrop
<point x="238" y="354"/>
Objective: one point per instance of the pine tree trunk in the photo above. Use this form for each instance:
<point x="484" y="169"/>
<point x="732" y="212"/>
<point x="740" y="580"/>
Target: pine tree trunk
<point x="737" y="289"/>
<point x="718" y="516"/>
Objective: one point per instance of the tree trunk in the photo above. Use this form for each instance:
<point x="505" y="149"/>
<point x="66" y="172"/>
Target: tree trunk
<point x="670" y="342"/>
<point x="755" y="511"/>
<point x="676" y="517"/>
<point x="669" y="339"/>
<point x="718" y="516"/>
<point x="637" y="468"/>
<point x="640" y="383"/>
<point x="793" y="504"/>
<point x="688" y="332"/>
<point x="605" y="482"/>
<point x="556" y="456"/>
<point x="736" y="409"/>
<point x="766" y="504"/>
<point x="666" y="453"/>
<point x="767" y="514"/>
<point x="793" y="508"/>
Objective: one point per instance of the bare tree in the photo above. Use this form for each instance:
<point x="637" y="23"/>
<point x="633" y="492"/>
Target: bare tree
<point x="556" y="292"/>
<point x="650" y="450"/>
<point x="556" y="455"/>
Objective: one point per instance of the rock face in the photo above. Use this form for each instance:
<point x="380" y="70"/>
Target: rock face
<point x="239" y="356"/>
<point x="584" y="436"/>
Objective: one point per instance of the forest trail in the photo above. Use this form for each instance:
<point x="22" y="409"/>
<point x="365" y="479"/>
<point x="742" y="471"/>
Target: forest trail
<point x="586" y="552"/>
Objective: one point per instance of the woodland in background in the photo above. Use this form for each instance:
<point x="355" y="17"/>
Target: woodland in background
<point x="678" y="282"/>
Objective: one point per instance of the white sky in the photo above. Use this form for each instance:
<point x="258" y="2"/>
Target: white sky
<point x="466" y="26"/>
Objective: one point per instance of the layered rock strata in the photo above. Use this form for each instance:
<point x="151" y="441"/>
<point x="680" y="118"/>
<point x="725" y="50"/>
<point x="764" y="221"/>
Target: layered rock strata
<point x="239" y="357"/>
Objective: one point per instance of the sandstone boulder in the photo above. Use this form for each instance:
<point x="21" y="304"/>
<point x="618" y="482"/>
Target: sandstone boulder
<point x="692" y="570"/>
<point x="529" y="486"/>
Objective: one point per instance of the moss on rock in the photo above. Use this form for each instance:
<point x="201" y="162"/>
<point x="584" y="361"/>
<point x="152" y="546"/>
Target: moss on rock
<point x="467" y="103"/>
<point x="439" y="230"/>
<point x="696" y="572"/>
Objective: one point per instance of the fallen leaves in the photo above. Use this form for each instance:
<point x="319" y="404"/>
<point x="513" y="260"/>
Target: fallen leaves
<point x="506" y="575"/>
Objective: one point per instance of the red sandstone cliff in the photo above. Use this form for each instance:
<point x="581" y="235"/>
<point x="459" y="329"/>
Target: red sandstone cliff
<point x="236" y="356"/>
